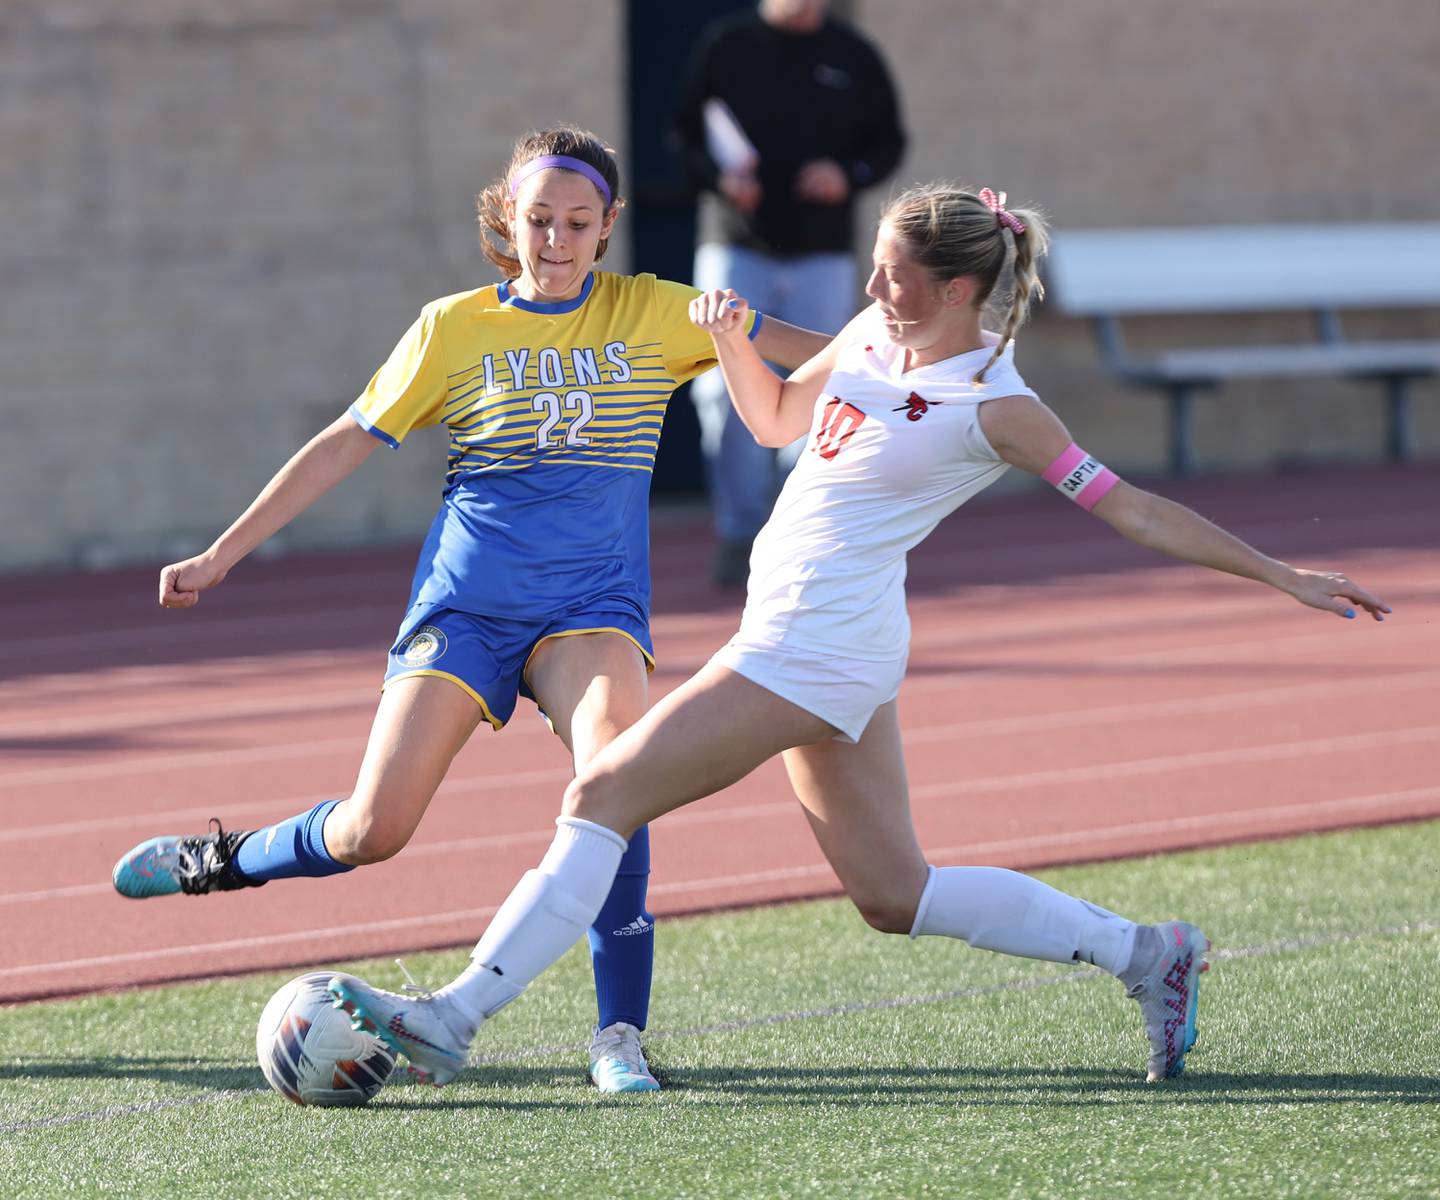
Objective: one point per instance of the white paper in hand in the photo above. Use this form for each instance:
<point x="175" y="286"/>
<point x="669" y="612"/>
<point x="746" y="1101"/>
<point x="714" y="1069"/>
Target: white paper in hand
<point x="726" y="141"/>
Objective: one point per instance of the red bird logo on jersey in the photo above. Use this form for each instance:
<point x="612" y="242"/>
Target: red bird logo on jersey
<point x="914" y="407"/>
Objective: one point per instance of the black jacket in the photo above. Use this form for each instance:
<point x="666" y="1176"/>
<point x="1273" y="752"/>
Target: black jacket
<point x="798" y="97"/>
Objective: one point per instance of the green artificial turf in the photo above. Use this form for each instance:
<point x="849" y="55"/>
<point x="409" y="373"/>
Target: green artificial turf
<point x="806" y="1055"/>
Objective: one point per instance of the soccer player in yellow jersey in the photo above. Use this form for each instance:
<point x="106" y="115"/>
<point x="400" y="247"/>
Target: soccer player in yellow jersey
<point x="534" y="579"/>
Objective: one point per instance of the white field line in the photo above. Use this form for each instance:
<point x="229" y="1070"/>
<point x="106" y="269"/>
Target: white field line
<point x="880" y="1004"/>
<point x="1080" y="975"/>
<point x="1254" y="820"/>
<point x="131" y="1110"/>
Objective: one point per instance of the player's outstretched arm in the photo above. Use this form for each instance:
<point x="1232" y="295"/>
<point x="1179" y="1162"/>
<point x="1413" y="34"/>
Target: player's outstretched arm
<point x="788" y="345"/>
<point x="320" y="464"/>
<point x="775" y="411"/>
<point x="1028" y="435"/>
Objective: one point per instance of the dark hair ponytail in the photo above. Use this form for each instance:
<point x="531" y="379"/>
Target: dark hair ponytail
<point x="494" y="203"/>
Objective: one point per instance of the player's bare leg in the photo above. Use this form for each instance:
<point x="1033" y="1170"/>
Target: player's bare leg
<point x="419" y="726"/>
<point x="593" y="686"/>
<point x="710" y="732"/>
<point x="857" y="801"/>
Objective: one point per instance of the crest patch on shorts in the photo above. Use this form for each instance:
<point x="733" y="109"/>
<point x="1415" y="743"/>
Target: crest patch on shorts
<point x="423" y="646"/>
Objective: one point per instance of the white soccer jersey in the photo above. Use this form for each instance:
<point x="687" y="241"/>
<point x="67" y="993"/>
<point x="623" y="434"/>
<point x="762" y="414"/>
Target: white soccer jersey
<point x="889" y="454"/>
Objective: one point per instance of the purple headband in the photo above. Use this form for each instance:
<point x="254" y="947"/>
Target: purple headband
<point x="546" y="161"/>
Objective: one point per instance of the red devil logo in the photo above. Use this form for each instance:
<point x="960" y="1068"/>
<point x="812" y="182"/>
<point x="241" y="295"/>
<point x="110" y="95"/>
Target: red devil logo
<point x="914" y="407"/>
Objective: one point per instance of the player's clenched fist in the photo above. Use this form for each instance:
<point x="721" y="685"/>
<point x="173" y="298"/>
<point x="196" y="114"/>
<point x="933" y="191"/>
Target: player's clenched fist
<point x="719" y="310"/>
<point x="181" y="583"/>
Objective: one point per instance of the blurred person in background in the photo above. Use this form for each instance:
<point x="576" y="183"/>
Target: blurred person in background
<point x="784" y="116"/>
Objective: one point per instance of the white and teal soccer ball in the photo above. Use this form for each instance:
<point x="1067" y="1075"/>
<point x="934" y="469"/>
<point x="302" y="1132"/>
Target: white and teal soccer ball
<point x="309" y="1053"/>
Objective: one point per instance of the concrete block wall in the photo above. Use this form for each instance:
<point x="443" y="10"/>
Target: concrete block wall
<point x="216" y="219"/>
<point x="217" y="216"/>
<point x="1109" y="113"/>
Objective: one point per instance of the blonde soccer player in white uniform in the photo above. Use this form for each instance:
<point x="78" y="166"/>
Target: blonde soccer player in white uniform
<point x="913" y="409"/>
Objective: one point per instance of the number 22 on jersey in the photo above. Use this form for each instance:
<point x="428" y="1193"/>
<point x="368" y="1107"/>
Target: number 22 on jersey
<point x="838" y="423"/>
<point x="579" y="405"/>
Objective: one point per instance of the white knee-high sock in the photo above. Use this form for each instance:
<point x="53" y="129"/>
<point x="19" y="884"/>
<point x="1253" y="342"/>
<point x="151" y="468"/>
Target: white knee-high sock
<point x="541" y="919"/>
<point x="995" y="909"/>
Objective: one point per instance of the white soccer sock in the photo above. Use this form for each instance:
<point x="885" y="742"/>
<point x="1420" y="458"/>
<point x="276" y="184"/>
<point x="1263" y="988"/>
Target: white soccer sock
<point x="541" y="919"/>
<point x="995" y="909"/>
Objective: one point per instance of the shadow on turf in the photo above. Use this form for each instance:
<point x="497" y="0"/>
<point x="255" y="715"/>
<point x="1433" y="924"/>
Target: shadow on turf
<point x="1023" y="1085"/>
<point x="207" y="1075"/>
<point x="870" y="1086"/>
<point x="204" y="1074"/>
<point x="798" y="1085"/>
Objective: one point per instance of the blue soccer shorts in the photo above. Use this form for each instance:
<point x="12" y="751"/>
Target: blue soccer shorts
<point x="487" y="656"/>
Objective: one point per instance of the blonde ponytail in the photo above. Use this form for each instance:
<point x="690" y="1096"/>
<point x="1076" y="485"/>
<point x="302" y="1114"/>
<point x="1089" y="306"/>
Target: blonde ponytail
<point x="1031" y="244"/>
<point x="954" y="233"/>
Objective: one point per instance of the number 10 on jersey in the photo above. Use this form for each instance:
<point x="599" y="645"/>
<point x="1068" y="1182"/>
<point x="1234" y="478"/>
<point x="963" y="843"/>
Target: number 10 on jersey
<point x="837" y="423"/>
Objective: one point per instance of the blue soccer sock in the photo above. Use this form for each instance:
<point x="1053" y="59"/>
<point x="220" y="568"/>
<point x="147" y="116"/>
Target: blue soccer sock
<point x="622" y="940"/>
<point x="293" y="848"/>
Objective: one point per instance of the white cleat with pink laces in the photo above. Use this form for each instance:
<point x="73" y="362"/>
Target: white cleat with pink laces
<point x="1169" y="993"/>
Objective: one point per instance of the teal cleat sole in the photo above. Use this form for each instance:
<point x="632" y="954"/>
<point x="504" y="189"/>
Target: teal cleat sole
<point x="148" y="870"/>
<point x="1192" y="1008"/>
<point x="621" y="1082"/>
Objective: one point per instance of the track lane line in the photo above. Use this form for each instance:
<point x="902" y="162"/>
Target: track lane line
<point x="972" y="850"/>
<point x="1123" y="768"/>
<point x="957" y="681"/>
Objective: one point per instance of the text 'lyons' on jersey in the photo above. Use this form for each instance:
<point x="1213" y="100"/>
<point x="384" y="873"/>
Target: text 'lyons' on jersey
<point x="554" y="413"/>
<point x="890" y="453"/>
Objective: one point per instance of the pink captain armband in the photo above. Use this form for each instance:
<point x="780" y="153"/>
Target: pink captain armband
<point x="1080" y="477"/>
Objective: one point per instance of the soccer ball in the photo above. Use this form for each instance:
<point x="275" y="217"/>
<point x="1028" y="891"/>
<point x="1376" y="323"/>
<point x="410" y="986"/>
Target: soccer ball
<point x="309" y="1053"/>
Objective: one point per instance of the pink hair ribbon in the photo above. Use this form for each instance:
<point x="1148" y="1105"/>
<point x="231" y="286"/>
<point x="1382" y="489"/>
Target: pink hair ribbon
<point x="996" y="204"/>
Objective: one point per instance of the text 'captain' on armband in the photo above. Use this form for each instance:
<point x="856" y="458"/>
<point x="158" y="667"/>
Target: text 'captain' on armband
<point x="1075" y="474"/>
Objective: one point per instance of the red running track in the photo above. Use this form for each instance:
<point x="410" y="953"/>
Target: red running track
<point x="1070" y="697"/>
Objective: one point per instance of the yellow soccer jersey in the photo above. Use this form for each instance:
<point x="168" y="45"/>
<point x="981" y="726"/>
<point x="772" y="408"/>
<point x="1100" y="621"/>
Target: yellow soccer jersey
<point x="554" y="413"/>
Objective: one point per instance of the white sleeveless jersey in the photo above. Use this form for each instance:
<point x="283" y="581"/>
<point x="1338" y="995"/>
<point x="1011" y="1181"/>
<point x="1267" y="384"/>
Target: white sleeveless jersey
<point x="889" y="454"/>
